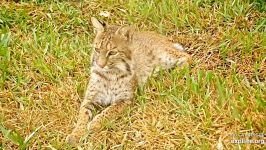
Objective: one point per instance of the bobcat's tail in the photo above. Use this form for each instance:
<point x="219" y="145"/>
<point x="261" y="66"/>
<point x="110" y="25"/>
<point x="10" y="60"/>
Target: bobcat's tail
<point x="179" y="47"/>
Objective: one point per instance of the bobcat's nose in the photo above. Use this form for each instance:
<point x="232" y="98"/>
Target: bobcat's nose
<point x="101" y="63"/>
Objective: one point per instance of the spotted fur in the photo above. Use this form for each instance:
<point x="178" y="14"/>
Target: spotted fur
<point x="121" y="59"/>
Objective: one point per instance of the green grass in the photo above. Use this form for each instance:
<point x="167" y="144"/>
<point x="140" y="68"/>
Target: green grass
<point x="45" y="49"/>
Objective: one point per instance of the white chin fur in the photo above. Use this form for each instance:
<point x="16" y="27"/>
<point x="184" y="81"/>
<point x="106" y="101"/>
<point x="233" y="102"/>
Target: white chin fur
<point x="179" y="47"/>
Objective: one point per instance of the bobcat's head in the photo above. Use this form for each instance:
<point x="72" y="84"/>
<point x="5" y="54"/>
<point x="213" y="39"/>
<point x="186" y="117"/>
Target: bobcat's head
<point x="110" y="47"/>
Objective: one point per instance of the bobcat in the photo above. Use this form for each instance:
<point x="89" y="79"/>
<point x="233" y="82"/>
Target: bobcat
<point x="122" y="59"/>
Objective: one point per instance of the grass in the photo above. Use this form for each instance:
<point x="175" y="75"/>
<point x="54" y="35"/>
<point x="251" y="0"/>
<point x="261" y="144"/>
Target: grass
<point x="44" y="69"/>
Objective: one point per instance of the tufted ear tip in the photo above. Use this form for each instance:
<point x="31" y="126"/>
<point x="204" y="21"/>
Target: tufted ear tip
<point x="125" y="31"/>
<point x="99" y="27"/>
<point x="93" y="19"/>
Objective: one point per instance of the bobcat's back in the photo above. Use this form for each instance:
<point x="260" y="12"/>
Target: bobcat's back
<point x="152" y="51"/>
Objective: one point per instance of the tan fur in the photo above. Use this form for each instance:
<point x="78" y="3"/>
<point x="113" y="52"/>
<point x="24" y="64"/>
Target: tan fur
<point x="152" y="51"/>
<point x="121" y="60"/>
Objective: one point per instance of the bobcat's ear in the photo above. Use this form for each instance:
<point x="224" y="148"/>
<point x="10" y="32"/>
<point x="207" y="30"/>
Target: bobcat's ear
<point x="99" y="27"/>
<point x="126" y="32"/>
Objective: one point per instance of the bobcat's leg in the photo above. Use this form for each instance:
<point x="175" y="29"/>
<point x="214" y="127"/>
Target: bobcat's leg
<point x="111" y="112"/>
<point x="183" y="59"/>
<point x="173" y="58"/>
<point x="85" y="114"/>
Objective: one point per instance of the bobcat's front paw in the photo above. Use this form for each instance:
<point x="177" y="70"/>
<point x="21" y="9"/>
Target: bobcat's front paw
<point x="71" y="139"/>
<point x="93" y="126"/>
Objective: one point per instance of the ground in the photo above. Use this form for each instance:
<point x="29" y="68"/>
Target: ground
<point x="45" y="49"/>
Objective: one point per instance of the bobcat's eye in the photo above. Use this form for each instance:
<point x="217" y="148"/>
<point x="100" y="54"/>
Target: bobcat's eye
<point x="112" y="53"/>
<point x="97" y="50"/>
